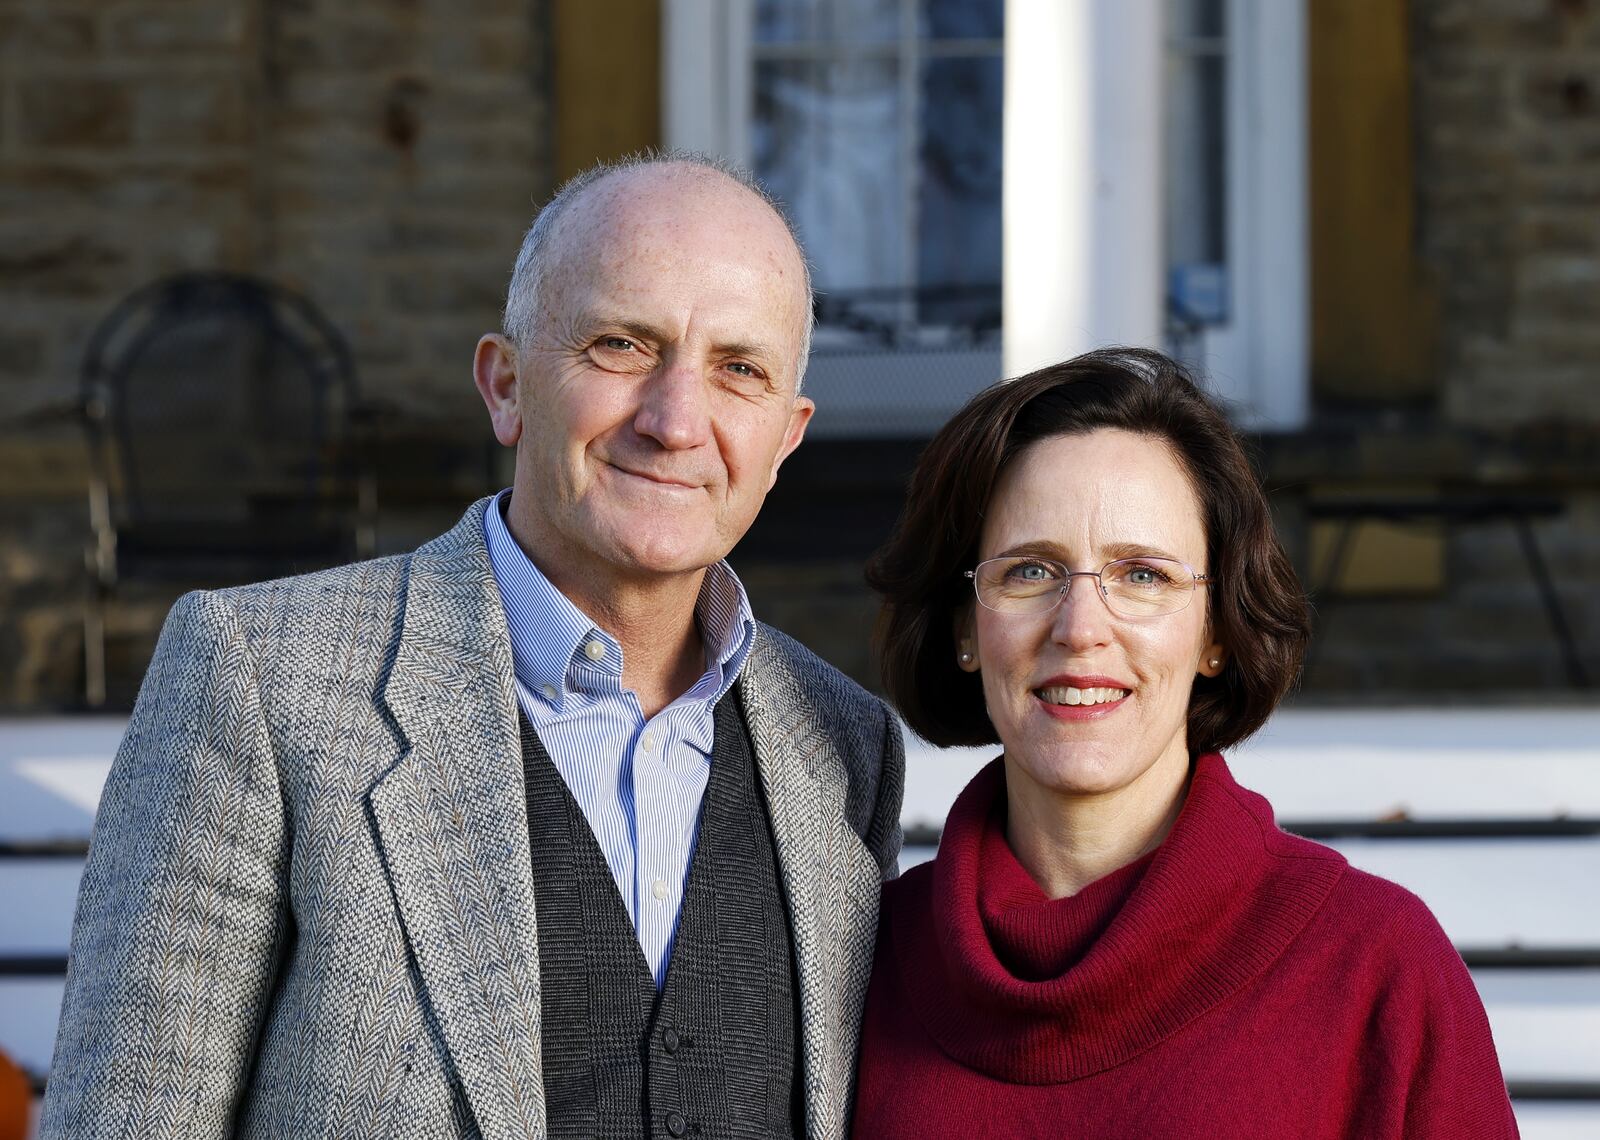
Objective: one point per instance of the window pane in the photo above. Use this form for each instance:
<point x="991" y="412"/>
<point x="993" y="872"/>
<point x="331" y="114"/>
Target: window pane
<point x="1194" y="19"/>
<point x="964" y="19"/>
<point x="958" y="224"/>
<point x="1197" y="164"/>
<point x="824" y="143"/>
<point x="1196" y="154"/>
<point x="859" y="21"/>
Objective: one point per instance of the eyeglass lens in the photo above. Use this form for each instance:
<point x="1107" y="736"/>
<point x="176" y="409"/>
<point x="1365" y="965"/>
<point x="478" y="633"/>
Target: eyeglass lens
<point x="1132" y="587"/>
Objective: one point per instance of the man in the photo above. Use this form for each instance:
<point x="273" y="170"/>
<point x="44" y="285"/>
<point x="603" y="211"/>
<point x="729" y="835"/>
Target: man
<point x="534" y="831"/>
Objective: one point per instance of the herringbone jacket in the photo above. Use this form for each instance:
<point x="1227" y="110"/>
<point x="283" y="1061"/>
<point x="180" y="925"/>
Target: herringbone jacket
<point x="308" y="909"/>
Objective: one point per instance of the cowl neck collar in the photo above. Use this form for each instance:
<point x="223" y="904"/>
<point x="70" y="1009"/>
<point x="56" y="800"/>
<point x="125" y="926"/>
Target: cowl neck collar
<point x="1039" y="991"/>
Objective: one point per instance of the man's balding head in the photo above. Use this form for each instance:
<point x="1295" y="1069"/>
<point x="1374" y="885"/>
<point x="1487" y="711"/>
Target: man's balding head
<point x="590" y="197"/>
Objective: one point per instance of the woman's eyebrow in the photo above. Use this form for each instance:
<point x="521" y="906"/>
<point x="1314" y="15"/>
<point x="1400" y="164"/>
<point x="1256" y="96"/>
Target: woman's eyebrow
<point x="1112" y="552"/>
<point x="1038" y="547"/>
<point x="1118" y="550"/>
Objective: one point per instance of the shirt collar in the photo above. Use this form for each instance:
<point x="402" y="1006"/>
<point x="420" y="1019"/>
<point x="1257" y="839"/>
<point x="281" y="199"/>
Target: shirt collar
<point x="549" y="633"/>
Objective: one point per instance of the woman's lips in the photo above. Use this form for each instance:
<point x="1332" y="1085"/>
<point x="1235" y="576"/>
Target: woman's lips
<point x="1081" y="698"/>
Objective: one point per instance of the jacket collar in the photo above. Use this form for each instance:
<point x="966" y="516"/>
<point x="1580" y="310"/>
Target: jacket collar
<point x="452" y="823"/>
<point x="830" y="879"/>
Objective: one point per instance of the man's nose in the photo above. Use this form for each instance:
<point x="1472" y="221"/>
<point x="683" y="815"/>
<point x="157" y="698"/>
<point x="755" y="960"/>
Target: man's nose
<point x="673" y="408"/>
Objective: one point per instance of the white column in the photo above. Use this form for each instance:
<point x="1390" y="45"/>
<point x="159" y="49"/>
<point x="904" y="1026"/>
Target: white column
<point x="706" y="77"/>
<point x="1083" y="261"/>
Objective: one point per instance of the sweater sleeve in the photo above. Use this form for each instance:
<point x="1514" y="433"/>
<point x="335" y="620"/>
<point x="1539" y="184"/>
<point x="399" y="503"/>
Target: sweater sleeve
<point x="1431" y="1044"/>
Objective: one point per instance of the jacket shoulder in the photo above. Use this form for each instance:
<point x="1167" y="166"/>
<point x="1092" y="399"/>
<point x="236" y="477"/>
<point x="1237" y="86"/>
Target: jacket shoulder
<point x="805" y="701"/>
<point x="828" y="689"/>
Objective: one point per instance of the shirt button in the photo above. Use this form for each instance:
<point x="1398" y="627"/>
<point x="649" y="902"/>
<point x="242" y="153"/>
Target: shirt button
<point x="549" y="692"/>
<point x="658" y="890"/>
<point x="649" y="742"/>
<point x="594" y="650"/>
<point x="676" y="1124"/>
<point x="671" y="1040"/>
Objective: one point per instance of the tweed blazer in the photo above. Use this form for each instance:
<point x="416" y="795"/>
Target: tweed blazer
<point x="308" y="909"/>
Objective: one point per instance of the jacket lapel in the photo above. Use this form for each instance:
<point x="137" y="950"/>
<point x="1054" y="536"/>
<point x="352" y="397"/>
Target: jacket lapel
<point x="830" y="880"/>
<point x="451" y="820"/>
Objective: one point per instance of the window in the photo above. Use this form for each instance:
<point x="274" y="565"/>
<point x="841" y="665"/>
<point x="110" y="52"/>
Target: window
<point x="1236" y="202"/>
<point x="877" y="122"/>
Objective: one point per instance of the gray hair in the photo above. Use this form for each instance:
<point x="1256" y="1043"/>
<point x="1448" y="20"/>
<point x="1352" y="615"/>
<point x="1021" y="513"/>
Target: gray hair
<point x="520" y="321"/>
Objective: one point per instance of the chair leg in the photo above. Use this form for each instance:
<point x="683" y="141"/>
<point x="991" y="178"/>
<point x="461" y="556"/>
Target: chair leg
<point x="1327" y="582"/>
<point x="94" y="646"/>
<point x="366" y="515"/>
<point x="1577" y="675"/>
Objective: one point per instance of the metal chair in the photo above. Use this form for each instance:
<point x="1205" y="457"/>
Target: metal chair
<point x="225" y="436"/>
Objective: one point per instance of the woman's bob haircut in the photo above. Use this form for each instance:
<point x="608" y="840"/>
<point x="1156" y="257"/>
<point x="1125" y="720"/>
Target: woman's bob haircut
<point x="1256" y="607"/>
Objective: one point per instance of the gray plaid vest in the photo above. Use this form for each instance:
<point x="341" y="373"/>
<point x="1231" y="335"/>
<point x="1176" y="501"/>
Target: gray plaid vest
<point x="712" y="1054"/>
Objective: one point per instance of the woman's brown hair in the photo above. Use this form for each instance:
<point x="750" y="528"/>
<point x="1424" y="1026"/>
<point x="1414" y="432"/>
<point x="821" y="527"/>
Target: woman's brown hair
<point x="1257" y="608"/>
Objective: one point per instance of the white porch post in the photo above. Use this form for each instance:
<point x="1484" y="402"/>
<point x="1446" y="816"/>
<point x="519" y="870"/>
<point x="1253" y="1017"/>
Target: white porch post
<point x="705" y="76"/>
<point x="1083" y="259"/>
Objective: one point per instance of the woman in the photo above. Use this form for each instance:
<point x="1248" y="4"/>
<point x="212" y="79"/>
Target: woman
<point x="1115" y="940"/>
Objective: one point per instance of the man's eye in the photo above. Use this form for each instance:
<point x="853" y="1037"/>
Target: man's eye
<point x="618" y="343"/>
<point x="740" y="368"/>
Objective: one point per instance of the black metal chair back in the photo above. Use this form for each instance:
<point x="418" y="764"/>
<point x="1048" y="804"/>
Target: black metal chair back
<point x="219" y="399"/>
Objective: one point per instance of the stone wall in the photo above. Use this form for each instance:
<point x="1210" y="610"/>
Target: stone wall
<point x="1507" y="116"/>
<point x="383" y="156"/>
<point x="380" y="156"/>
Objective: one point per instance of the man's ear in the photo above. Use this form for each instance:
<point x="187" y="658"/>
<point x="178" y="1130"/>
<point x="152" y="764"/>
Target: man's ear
<point x="494" y="371"/>
<point x="793" y="433"/>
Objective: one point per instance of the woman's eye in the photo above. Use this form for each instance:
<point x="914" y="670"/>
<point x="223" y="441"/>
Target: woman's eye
<point x="1032" y="572"/>
<point x="1144" y="576"/>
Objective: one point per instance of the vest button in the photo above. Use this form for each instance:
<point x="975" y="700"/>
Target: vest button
<point x="671" y="1040"/>
<point x="676" y="1124"/>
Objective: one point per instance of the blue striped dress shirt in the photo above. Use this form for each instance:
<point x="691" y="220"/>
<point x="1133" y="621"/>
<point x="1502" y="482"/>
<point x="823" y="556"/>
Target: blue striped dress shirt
<point x="639" y="782"/>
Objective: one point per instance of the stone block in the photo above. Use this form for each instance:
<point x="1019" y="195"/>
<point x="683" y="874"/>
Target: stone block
<point x="1560" y="286"/>
<point x="82" y="111"/>
<point x="21" y="354"/>
<point x="1456" y="92"/>
<point x="212" y="30"/>
<point x="42" y="258"/>
<point x="1489" y="26"/>
<point x="30" y="35"/>
<point x="1560" y="185"/>
<point x="192" y="111"/>
<point x="1557" y="231"/>
<point x="1561" y="94"/>
<point x="478" y="46"/>
<point x="447" y="290"/>
<point x="382" y="45"/>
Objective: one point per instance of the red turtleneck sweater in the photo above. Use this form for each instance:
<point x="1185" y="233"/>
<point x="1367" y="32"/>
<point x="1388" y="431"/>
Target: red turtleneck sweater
<point x="1235" y="982"/>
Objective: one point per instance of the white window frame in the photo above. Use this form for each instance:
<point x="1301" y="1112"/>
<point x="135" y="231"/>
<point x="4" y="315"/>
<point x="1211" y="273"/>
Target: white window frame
<point x="706" y="77"/>
<point x="1260" y="359"/>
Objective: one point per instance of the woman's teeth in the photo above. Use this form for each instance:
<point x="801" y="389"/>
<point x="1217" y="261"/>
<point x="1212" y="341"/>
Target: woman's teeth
<point x="1067" y="695"/>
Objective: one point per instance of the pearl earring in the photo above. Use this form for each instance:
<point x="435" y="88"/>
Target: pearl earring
<point x="1215" y="661"/>
<point x="966" y="657"/>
